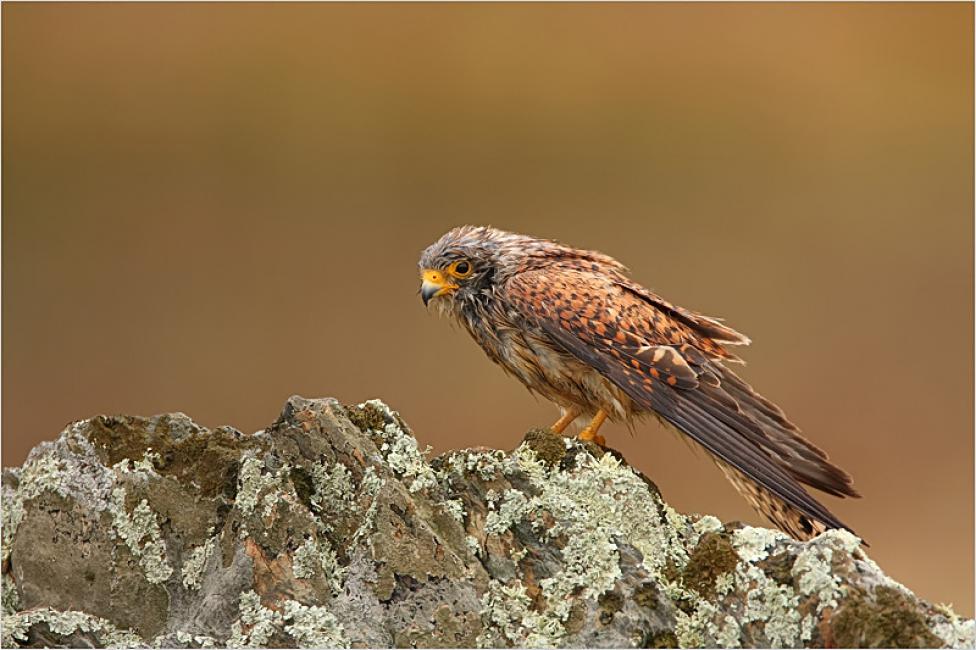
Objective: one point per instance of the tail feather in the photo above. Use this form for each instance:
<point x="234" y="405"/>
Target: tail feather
<point x="805" y="461"/>
<point x="784" y="516"/>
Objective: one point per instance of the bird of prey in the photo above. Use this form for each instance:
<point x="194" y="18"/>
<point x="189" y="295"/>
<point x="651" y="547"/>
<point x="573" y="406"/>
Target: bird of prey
<point x="576" y="330"/>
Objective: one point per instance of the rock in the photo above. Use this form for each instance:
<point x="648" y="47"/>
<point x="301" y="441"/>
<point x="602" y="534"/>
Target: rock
<point x="331" y="528"/>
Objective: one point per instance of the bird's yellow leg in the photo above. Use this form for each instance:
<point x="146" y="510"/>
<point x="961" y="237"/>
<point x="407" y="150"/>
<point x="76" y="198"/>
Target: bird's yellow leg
<point x="590" y="432"/>
<point x="565" y="420"/>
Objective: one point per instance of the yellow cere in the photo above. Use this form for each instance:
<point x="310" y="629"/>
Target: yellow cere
<point x="430" y="276"/>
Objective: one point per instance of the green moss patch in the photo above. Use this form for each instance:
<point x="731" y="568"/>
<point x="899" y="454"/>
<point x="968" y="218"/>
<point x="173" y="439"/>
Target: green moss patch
<point x="665" y="639"/>
<point x="610" y="603"/>
<point x="779" y="567"/>
<point x="712" y="557"/>
<point x="890" y="621"/>
<point x="647" y="595"/>
<point x="366" y="417"/>
<point x="192" y="456"/>
<point x="304" y="486"/>
<point x="548" y="446"/>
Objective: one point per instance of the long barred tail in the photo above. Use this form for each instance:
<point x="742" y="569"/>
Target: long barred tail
<point x="784" y="516"/>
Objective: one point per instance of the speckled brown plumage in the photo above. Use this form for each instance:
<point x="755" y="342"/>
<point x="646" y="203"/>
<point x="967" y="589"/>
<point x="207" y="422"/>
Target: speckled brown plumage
<point x="575" y="329"/>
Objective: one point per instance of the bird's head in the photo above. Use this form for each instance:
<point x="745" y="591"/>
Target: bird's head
<point x="465" y="263"/>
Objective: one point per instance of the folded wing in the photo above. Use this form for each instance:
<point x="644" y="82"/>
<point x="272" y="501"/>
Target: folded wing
<point x="666" y="359"/>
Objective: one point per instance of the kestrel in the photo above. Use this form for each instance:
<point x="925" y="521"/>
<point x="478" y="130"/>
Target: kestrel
<point x="575" y="329"/>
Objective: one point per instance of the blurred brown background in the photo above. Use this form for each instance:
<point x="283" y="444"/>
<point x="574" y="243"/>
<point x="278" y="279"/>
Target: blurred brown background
<point x="207" y="208"/>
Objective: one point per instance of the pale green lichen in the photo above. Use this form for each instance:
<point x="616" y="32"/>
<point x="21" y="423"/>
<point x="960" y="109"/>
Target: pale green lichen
<point x="807" y="626"/>
<point x="511" y="509"/>
<point x="9" y="595"/>
<point x="842" y="540"/>
<point x="309" y="626"/>
<point x="305" y="562"/>
<point x="270" y="491"/>
<point x="696" y="630"/>
<point x="455" y="508"/>
<point x="814" y="577"/>
<point x="402" y="453"/>
<point x="945" y="609"/>
<point x="768" y="602"/>
<point x="196" y="561"/>
<point x="473" y="545"/>
<point x="677" y="592"/>
<point x="64" y="623"/>
<point x="848" y="542"/>
<point x="486" y="465"/>
<point x="700" y="630"/>
<point x="507" y="610"/>
<point x="369" y="488"/>
<point x="603" y="498"/>
<point x="752" y="544"/>
<point x="729" y="635"/>
<point x="251" y="483"/>
<point x="774" y="605"/>
<point x="954" y="631"/>
<point x="592" y="504"/>
<point x="276" y="496"/>
<point x="140" y="532"/>
<point x="334" y="489"/>
<point x="371" y="482"/>
<point x="39" y="474"/>
<point x="724" y="584"/>
<point x="198" y="640"/>
<point x="752" y="597"/>
<point x="146" y="466"/>
<point x="406" y="460"/>
<point x="255" y="625"/>
<point x="707" y="524"/>
<point x="312" y="626"/>
<point x="315" y="556"/>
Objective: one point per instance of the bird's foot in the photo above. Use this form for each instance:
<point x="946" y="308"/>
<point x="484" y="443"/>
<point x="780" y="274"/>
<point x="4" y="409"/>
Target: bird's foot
<point x="567" y="418"/>
<point x="590" y="432"/>
<point x="588" y="436"/>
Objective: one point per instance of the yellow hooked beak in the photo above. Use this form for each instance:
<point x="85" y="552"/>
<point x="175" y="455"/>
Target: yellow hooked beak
<point x="434" y="283"/>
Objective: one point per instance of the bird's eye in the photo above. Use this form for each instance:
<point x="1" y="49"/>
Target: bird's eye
<point x="461" y="269"/>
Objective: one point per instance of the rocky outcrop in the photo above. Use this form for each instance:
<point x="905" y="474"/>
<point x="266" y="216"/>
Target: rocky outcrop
<point x="331" y="528"/>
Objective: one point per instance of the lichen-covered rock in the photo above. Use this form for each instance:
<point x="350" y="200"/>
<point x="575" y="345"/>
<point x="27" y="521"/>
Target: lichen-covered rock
<point x="332" y="528"/>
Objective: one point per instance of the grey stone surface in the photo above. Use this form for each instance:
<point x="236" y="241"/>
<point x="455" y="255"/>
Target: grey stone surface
<point x="332" y="528"/>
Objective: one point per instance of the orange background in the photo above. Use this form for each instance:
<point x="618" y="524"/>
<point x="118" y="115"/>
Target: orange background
<point x="208" y="208"/>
